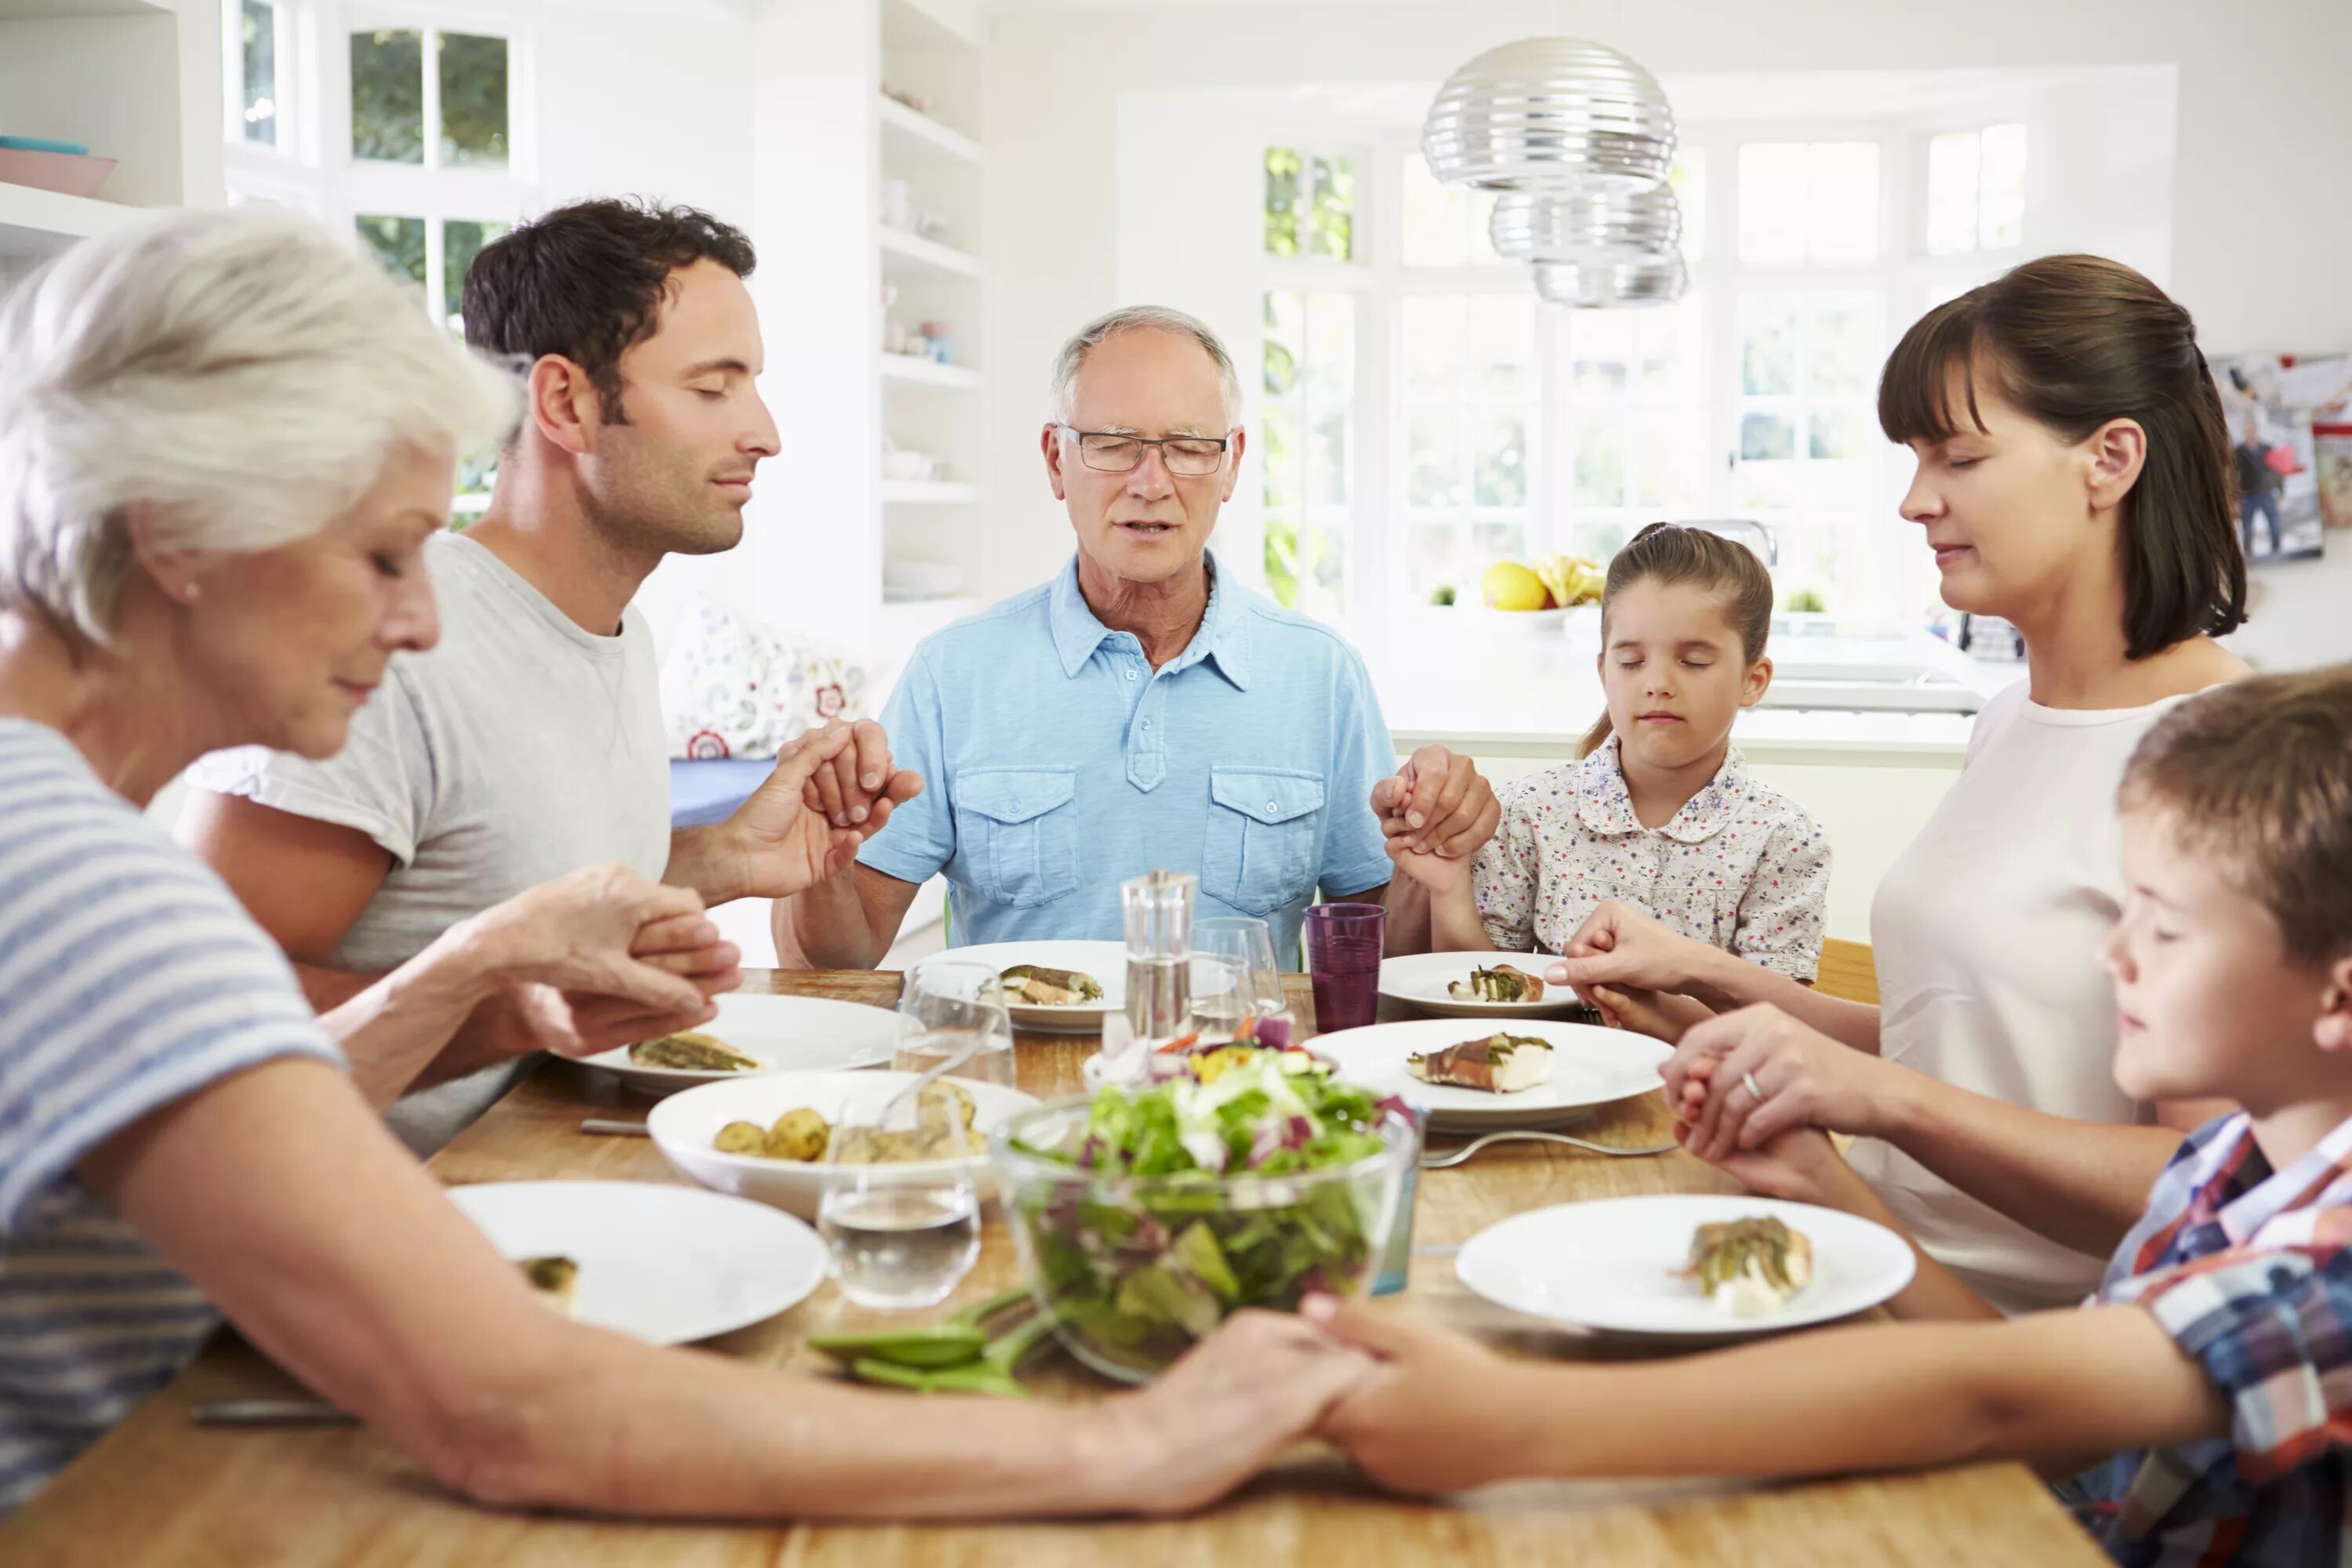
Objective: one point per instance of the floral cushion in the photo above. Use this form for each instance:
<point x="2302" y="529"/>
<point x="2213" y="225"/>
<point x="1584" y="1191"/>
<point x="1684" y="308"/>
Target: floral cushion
<point x="733" y="686"/>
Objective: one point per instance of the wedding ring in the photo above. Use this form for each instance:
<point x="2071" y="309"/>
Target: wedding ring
<point x="1747" y="1081"/>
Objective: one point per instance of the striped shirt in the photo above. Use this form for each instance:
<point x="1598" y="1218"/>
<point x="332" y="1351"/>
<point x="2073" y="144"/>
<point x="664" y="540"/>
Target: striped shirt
<point x="2250" y="1270"/>
<point x="129" y="978"/>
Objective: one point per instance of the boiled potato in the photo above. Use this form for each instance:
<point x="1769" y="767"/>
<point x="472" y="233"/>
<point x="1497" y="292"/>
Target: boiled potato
<point x="798" y="1135"/>
<point x="741" y="1138"/>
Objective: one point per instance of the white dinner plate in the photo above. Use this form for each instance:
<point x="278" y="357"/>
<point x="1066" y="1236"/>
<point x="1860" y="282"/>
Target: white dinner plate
<point x="1105" y="961"/>
<point x="1611" y="1265"/>
<point x="783" y="1033"/>
<point x="661" y="1264"/>
<point x="1420" y="980"/>
<point x="1590" y="1066"/>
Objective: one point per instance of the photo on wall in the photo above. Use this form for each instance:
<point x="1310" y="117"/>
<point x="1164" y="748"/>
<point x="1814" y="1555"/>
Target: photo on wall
<point x="2268" y="400"/>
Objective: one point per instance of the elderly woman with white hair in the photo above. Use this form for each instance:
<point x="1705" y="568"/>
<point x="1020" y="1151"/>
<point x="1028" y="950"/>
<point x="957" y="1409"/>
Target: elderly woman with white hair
<point x="223" y="440"/>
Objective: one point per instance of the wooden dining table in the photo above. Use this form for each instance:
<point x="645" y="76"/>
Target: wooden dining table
<point x="159" y="1491"/>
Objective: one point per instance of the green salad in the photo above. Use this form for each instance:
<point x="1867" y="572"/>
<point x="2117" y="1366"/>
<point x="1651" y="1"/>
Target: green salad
<point x="1174" y="1204"/>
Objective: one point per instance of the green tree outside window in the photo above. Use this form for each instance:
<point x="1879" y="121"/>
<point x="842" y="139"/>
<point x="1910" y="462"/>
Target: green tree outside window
<point x="388" y="95"/>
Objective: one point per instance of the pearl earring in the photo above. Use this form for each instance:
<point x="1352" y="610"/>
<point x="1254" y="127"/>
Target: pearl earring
<point x="189" y="595"/>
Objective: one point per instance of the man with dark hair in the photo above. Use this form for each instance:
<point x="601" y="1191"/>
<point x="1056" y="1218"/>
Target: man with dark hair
<point x="529" y="742"/>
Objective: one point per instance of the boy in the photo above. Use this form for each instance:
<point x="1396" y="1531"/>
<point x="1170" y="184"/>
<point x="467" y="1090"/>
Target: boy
<point x="2215" y="1362"/>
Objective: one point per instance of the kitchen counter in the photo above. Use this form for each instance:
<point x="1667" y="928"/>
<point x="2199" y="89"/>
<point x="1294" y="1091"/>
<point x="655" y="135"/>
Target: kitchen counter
<point x="1482" y="684"/>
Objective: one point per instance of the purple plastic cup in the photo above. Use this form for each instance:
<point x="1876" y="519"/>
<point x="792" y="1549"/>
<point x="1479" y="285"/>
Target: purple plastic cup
<point x="1343" y="961"/>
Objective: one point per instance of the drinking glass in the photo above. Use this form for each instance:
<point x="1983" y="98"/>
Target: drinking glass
<point x="897" y="1239"/>
<point x="951" y="1006"/>
<point x="1343" y="961"/>
<point x="1234" y="975"/>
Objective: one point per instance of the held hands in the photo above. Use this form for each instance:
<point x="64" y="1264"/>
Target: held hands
<point x="1435" y="1414"/>
<point x="1436" y="810"/>
<point x="831" y="790"/>
<point x="1262" y="1381"/>
<point x="1622" y="947"/>
<point x="1740" y="1080"/>
<point x="602" y="957"/>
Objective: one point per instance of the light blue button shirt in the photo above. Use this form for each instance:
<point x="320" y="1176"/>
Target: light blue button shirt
<point x="1057" y="763"/>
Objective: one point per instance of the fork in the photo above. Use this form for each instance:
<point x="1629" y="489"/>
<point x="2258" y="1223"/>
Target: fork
<point x="1453" y="1157"/>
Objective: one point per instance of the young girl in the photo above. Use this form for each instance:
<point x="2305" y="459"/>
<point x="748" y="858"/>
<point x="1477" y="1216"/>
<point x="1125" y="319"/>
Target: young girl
<point x="1659" y="811"/>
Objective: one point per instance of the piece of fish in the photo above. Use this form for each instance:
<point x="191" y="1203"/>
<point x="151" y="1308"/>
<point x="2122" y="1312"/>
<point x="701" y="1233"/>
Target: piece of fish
<point x="1750" y="1267"/>
<point x="1039" y="987"/>
<point x="1501" y="983"/>
<point x="1499" y="1064"/>
<point x="694" y="1052"/>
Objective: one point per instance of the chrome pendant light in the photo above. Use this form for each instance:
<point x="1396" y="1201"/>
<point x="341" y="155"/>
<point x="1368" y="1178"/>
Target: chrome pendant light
<point x="1601" y="284"/>
<point x="1553" y="117"/>
<point x="1632" y="225"/>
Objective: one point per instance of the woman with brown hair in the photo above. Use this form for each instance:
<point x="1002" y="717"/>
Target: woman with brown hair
<point x="2074" y="479"/>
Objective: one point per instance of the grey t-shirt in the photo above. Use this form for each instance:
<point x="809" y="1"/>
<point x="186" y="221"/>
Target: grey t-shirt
<point x="518" y="749"/>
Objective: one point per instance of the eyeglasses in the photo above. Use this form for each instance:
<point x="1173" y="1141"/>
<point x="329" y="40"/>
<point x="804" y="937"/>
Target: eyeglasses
<point x="1190" y="457"/>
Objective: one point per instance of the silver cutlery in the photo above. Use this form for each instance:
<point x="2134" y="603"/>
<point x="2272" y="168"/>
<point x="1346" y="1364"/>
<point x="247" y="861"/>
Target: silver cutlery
<point x="1453" y="1157"/>
<point x="270" y="1413"/>
<point x="604" y="1127"/>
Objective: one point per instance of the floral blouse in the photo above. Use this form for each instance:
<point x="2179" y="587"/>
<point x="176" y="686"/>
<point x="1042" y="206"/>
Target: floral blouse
<point x="1739" y="866"/>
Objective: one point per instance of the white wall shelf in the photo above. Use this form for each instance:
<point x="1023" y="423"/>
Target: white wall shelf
<point x="38" y="222"/>
<point x="914" y="371"/>
<point x="42" y="10"/>
<point x="914" y="130"/>
<point x="903" y="252"/>
<point x="929" y="492"/>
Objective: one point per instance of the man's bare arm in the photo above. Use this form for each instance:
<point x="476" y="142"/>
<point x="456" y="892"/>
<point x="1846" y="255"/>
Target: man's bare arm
<point x="846" y="921"/>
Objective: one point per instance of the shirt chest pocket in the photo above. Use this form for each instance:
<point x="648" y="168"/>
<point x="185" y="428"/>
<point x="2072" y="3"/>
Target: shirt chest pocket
<point x="1264" y="825"/>
<point x="1016" y="830"/>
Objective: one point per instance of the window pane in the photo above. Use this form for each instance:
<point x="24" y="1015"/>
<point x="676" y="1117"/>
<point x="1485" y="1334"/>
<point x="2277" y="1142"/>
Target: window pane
<point x="2002" y="220"/>
<point x="1670" y="460"/>
<point x="1768" y="344"/>
<point x="1499" y="442"/>
<point x="473" y="100"/>
<point x="1436" y="224"/>
<point x="461" y="241"/>
<point x="1283" y="168"/>
<point x="388" y="95"/>
<point x="258" y="25"/>
<point x="1841" y="345"/>
<point x="1841" y="214"/>
<point x="1439" y="553"/>
<point x="1766" y="486"/>
<point x="1492" y="542"/>
<point x="1600" y="462"/>
<point x="1835" y="432"/>
<point x="1502" y="347"/>
<point x="1952" y="194"/>
<point x="1687" y="180"/>
<point x="1772" y="184"/>
<point x="1285" y="341"/>
<point x="1321" y="570"/>
<point x="396" y="243"/>
<point x="1434" y="331"/>
<point x="1279" y="427"/>
<point x="1330" y="348"/>
<point x="1334" y="219"/>
<point x="1766" y="437"/>
<point x="1327" y="459"/>
<point x="1433" y="460"/>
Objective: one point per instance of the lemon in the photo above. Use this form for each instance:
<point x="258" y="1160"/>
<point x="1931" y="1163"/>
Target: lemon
<point x="1508" y="585"/>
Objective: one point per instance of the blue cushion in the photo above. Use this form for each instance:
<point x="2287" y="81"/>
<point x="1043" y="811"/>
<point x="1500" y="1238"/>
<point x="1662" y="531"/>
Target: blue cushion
<point x="706" y="792"/>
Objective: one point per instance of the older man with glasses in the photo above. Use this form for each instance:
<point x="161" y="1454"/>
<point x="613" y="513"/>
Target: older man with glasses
<point x="1144" y="708"/>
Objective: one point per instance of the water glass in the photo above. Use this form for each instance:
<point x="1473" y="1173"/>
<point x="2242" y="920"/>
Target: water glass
<point x="1234" y="975"/>
<point x="896" y="1240"/>
<point x="952" y="1008"/>
<point x="1157" y="910"/>
<point x="1344" y="943"/>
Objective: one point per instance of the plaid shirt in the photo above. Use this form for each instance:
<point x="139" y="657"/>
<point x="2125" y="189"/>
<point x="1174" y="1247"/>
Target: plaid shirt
<point x="2250" y="1270"/>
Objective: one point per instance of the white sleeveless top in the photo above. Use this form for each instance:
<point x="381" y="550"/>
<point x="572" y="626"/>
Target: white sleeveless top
<point x="1986" y="933"/>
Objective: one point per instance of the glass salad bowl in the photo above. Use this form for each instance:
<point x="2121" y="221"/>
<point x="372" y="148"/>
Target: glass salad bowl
<point x="1146" y="1215"/>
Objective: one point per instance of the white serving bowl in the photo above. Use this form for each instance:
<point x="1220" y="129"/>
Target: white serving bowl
<point x="683" y="1126"/>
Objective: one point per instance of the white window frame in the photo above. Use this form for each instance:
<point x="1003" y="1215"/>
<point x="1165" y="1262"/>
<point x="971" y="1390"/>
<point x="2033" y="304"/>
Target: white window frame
<point x="429" y="190"/>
